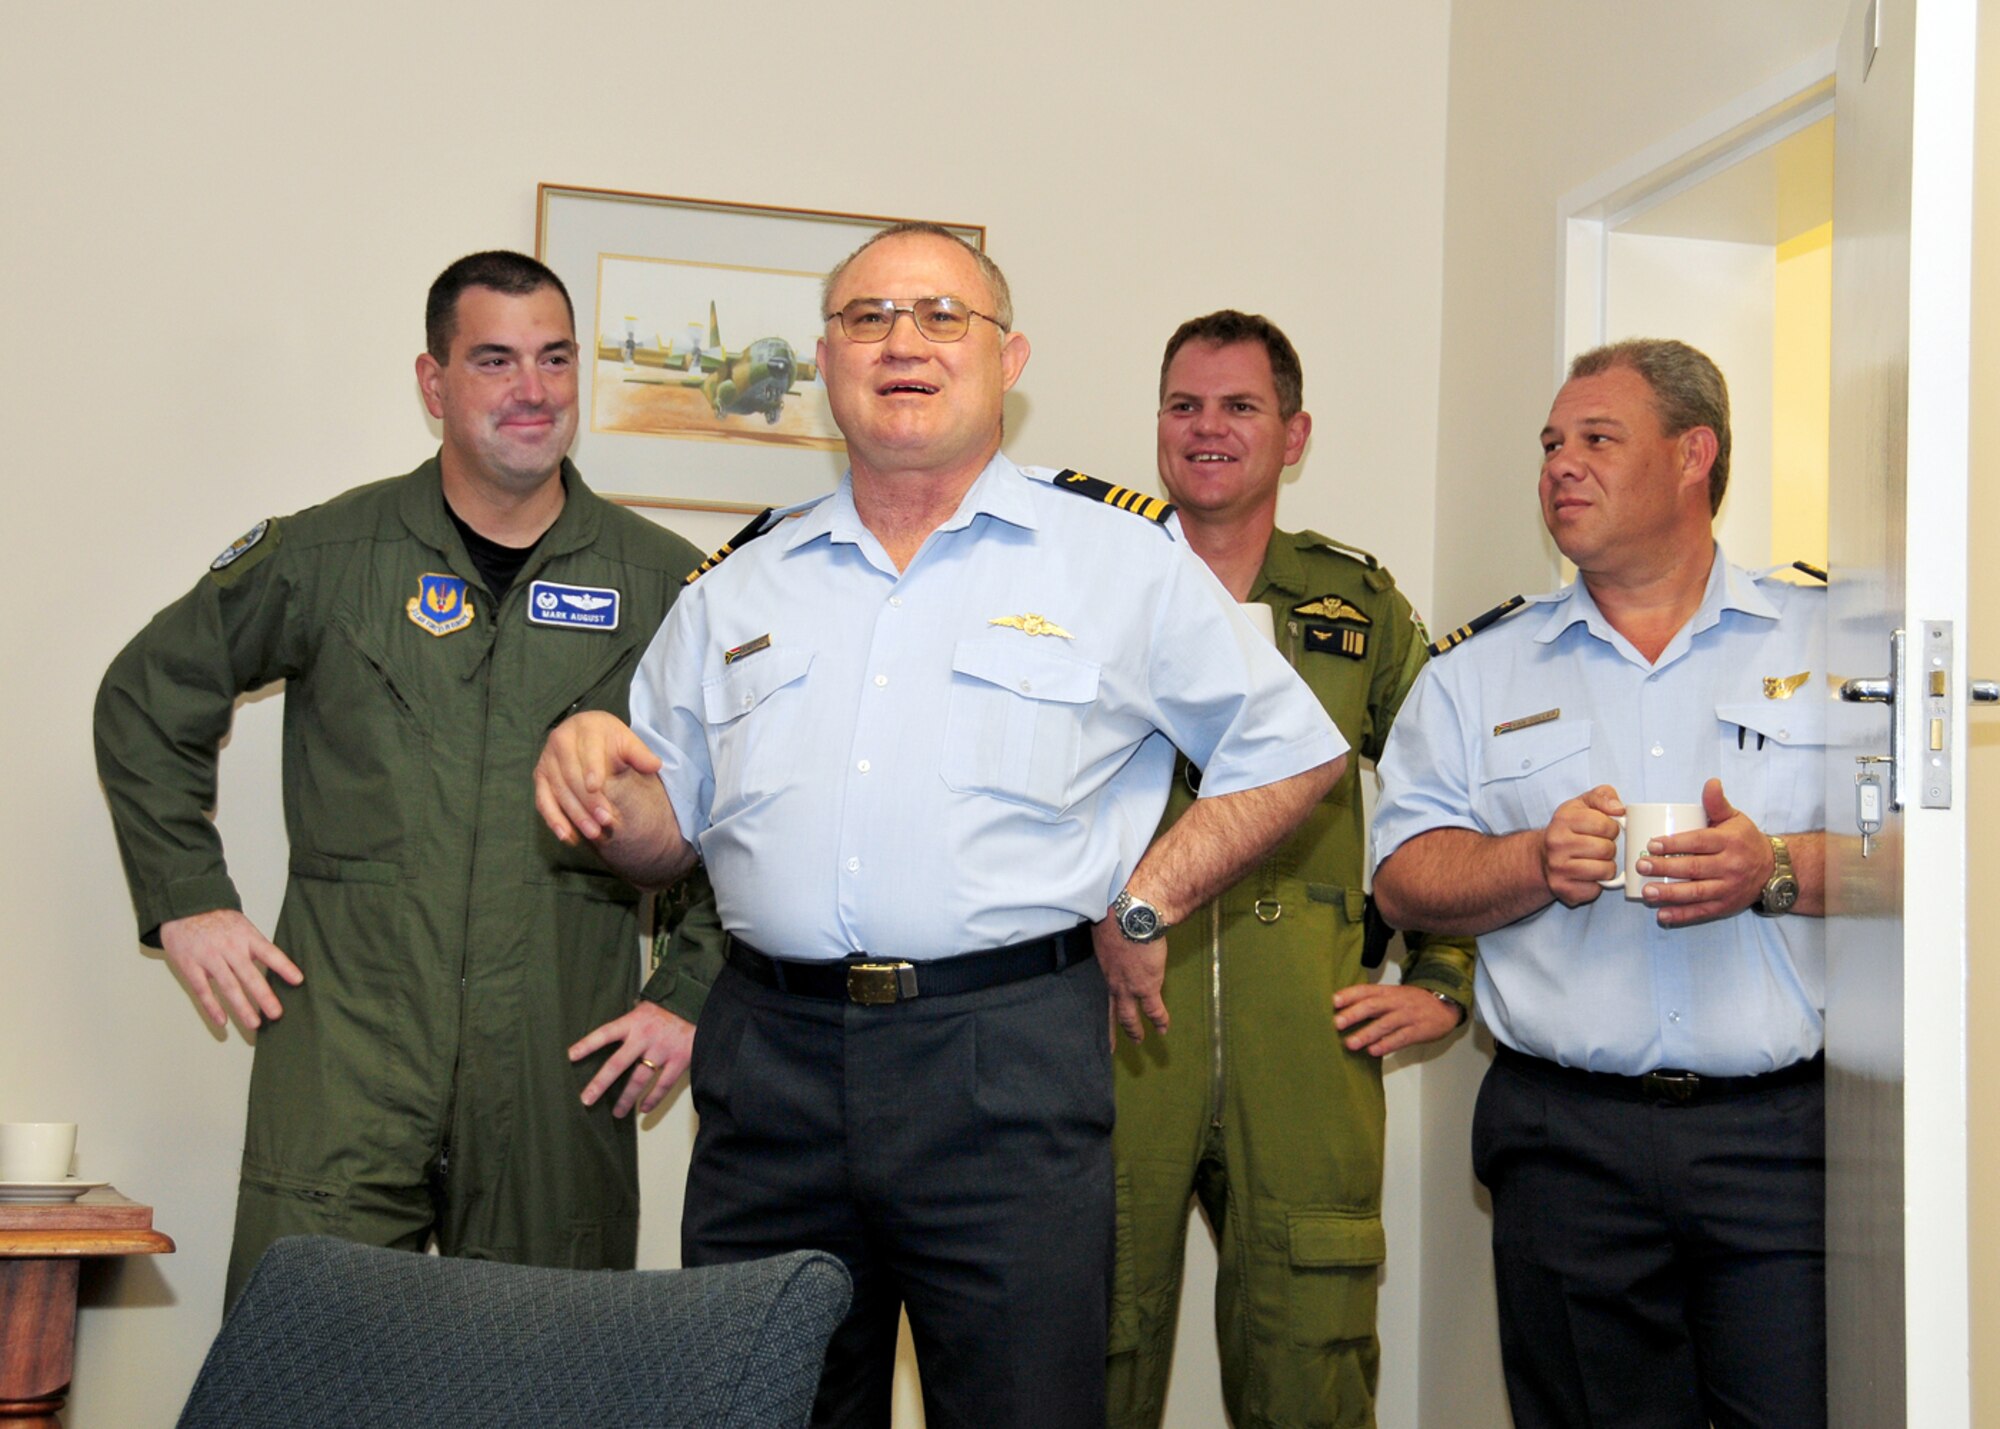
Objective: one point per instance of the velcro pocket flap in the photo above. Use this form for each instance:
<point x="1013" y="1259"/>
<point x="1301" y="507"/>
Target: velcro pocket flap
<point x="1336" y="1238"/>
<point x="342" y="870"/>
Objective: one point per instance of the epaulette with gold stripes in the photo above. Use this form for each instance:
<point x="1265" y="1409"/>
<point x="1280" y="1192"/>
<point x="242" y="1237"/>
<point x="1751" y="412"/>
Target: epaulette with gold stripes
<point x="1453" y="638"/>
<point x="1123" y="497"/>
<point x="1814" y="571"/>
<point x="756" y="528"/>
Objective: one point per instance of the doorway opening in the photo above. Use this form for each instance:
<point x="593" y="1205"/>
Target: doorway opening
<point x="1723" y="237"/>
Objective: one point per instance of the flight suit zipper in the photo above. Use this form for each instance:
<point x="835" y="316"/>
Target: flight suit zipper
<point x="1215" y="1010"/>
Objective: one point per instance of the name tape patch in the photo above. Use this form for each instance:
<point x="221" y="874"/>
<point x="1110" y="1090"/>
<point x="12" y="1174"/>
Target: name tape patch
<point x="579" y="607"/>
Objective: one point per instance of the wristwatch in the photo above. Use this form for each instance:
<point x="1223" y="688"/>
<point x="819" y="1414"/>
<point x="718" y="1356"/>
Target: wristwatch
<point x="1783" y="890"/>
<point x="1137" y="919"/>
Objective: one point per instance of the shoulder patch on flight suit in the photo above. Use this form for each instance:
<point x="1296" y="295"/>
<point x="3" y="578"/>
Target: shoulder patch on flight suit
<point x="1373" y="572"/>
<point x="1124" y="498"/>
<point x="247" y="549"/>
<point x="1453" y="638"/>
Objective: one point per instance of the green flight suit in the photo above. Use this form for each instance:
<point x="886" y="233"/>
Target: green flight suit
<point x="1252" y="1104"/>
<point x="418" y="1081"/>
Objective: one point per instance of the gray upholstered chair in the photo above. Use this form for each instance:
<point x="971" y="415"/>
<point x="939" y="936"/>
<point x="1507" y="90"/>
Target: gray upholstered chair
<point x="328" y="1333"/>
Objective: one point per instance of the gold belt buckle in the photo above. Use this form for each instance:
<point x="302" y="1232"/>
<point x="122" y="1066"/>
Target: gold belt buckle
<point x="878" y="984"/>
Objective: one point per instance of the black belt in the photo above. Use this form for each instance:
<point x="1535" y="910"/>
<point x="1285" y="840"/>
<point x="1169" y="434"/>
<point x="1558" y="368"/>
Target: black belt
<point x="1667" y="1084"/>
<point x="875" y="981"/>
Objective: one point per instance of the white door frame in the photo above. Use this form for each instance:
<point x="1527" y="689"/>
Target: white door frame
<point x="1587" y="215"/>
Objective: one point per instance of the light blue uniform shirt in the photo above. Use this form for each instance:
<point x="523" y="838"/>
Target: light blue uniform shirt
<point x="1604" y="986"/>
<point x="896" y="773"/>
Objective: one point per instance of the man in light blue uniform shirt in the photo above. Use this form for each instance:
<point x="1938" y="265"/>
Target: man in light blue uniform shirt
<point x="921" y="733"/>
<point x="1652" y="1129"/>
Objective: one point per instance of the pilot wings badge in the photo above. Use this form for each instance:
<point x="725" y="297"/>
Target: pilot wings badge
<point x="1031" y="624"/>
<point x="1781" y="687"/>
<point x="1332" y="607"/>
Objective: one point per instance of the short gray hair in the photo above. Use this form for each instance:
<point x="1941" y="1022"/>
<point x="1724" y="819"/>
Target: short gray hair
<point x="1688" y="392"/>
<point x="996" y="281"/>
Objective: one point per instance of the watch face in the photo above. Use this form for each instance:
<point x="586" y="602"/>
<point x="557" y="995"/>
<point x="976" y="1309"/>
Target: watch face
<point x="1139" y="923"/>
<point x="1781" y="895"/>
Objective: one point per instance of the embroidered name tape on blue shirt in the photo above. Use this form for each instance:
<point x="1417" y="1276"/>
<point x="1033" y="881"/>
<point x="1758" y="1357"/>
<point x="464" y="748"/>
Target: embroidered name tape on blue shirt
<point x="581" y="607"/>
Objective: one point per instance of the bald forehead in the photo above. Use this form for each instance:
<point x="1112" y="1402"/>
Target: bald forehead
<point x="916" y="265"/>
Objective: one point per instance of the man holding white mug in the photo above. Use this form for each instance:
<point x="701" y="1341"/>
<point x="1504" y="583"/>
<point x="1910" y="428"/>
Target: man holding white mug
<point x="1652" y="1130"/>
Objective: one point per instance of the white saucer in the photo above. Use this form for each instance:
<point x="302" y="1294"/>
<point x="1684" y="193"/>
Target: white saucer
<point x="67" y="1189"/>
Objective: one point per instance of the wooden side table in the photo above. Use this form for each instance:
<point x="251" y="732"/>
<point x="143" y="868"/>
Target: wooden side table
<point x="41" y="1248"/>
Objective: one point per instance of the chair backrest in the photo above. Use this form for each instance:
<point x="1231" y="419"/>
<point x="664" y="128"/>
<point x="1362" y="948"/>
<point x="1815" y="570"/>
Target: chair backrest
<point x="329" y="1333"/>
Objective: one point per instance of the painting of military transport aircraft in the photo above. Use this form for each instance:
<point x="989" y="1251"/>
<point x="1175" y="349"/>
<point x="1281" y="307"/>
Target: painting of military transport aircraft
<point x="753" y="381"/>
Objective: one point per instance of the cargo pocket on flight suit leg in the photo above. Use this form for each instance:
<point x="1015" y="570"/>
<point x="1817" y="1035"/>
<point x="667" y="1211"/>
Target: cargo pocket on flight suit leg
<point x="1336" y="1256"/>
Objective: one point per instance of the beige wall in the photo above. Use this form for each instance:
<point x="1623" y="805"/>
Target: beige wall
<point x="218" y="223"/>
<point x="1543" y="99"/>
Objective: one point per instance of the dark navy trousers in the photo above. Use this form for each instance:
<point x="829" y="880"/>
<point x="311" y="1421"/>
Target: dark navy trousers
<point x="955" y="1153"/>
<point x="1658" y="1266"/>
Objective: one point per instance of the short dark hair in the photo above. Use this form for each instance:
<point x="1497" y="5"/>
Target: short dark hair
<point x="1688" y="392"/>
<point x="996" y="281"/>
<point x="515" y="274"/>
<point x="1229" y="326"/>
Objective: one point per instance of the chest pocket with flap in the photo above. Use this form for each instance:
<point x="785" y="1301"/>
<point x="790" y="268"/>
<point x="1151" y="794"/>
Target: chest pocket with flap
<point x="1014" y="729"/>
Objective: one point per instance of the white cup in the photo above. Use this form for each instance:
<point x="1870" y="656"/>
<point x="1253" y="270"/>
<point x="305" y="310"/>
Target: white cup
<point x="36" y="1150"/>
<point x="1641" y="825"/>
<point x="1259" y="615"/>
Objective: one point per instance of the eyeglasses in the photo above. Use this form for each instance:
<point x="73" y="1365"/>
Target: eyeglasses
<point x="938" y="319"/>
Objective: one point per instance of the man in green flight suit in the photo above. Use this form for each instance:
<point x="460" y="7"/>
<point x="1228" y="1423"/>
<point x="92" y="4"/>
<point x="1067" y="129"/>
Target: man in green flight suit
<point x="1271" y="1113"/>
<point x="423" y="1074"/>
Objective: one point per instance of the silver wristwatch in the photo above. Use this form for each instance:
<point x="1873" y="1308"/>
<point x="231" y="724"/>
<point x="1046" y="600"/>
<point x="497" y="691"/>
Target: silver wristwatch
<point x="1783" y="889"/>
<point x="1137" y="919"/>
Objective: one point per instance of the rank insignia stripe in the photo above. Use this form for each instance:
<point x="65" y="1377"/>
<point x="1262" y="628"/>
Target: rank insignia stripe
<point x="1124" y="498"/>
<point x="1452" y="639"/>
<point x="1526" y="722"/>
<point x="1782" y="687"/>
<point x="748" y="647"/>
<point x="1332" y="607"/>
<point x="441" y="605"/>
<point x="572" y="607"/>
<point x="1337" y="640"/>
<point x="759" y="524"/>
<point x="1031" y="624"/>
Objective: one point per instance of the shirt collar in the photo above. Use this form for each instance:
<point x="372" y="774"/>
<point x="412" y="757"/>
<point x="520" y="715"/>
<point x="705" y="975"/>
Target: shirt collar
<point x="1282" y="568"/>
<point x="1000" y="491"/>
<point x="1728" y="589"/>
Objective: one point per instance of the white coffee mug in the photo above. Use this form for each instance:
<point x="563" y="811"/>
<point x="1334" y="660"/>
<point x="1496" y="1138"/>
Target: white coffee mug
<point x="1259" y="615"/>
<point x="1641" y="824"/>
<point x="36" y="1150"/>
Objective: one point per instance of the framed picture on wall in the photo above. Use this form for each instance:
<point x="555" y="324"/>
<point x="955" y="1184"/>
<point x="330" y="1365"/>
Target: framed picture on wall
<point x="698" y="384"/>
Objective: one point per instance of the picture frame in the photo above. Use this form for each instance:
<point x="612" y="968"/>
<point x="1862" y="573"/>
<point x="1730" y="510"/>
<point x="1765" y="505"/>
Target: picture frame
<point x="698" y="387"/>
